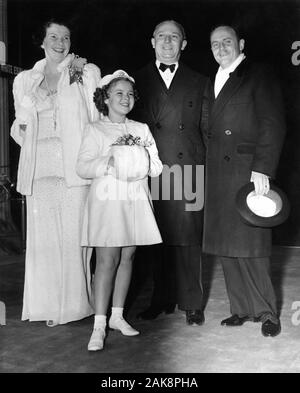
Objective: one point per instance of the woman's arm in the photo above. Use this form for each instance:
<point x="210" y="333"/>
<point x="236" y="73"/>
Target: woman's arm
<point x="22" y="103"/>
<point x="91" y="79"/>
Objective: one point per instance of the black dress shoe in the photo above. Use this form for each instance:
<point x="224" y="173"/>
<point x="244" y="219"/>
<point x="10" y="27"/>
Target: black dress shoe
<point x="235" y="320"/>
<point x="195" y="317"/>
<point x="270" y="329"/>
<point x="153" y="311"/>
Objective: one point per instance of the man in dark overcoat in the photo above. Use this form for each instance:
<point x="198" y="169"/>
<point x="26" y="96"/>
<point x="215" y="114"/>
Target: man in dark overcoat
<point x="174" y="103"/>
<point x="245" y="138"/>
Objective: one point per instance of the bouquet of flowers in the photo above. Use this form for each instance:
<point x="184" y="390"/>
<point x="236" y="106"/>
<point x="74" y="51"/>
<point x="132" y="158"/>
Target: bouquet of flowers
<point x="130" y="140"/>
<point x="131" y="158"/>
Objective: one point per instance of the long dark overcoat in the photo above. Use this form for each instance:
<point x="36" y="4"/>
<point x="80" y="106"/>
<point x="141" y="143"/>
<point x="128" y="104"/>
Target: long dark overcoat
<point x="175" y="117"/>
<point x="246" y="134"/>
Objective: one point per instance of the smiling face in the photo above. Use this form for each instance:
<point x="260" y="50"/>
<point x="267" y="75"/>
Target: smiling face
<point x="168" y="42"/>
<point x="57" y="42"/>
<point x="225" y="45"/>
<point x="120" y="100"/>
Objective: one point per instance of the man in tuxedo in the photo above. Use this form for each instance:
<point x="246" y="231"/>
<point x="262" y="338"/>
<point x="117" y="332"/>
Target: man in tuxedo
<point x="174" y="103"/>
<point x="245" y="138"/>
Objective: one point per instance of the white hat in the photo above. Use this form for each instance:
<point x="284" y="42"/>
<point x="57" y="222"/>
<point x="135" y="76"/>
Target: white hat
<point x="117" y="74"/>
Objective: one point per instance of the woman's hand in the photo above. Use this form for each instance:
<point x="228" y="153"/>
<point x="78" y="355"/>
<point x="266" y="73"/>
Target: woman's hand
<point x="78" y="63"/>
<point x="23" y="127"/>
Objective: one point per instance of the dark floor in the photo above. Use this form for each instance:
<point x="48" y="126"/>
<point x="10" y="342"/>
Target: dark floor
<point x="166" y="344"/>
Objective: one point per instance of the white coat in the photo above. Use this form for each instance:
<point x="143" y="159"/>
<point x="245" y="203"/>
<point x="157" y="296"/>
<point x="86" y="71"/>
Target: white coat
<point x="117" y="212"/>
<point x="76" y="109"/>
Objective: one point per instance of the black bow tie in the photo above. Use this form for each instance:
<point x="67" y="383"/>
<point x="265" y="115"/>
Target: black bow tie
<point x="163" y="67"/>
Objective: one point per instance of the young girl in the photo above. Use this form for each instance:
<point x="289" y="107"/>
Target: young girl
<point x="118" y="154"/>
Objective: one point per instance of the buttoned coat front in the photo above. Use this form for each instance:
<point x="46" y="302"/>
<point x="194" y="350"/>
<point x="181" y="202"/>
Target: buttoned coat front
<point x="176" y="117"/>
<point x="246" y="134"/>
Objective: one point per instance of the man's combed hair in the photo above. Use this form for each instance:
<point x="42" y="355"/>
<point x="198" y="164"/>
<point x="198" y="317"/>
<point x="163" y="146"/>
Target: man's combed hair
<point x="237" y="28"/>
<point x="177" y="24"/>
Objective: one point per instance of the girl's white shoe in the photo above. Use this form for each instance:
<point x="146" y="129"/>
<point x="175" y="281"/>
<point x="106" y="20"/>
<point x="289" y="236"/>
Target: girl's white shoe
<point x="119" y="323"/>
<point x="96" y="342"/>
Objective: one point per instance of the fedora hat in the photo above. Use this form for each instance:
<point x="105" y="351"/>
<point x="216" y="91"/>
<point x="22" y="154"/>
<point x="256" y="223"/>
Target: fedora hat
<point x="266" y="210"/>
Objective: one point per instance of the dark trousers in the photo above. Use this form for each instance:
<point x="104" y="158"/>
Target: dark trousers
<point x="177" y="277"/>
<point x="249" y="287"/>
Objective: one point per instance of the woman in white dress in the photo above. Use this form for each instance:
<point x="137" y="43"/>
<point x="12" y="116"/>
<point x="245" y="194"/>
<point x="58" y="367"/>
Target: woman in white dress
<point x="118" y="154"/>
<point x="53" y="103"/>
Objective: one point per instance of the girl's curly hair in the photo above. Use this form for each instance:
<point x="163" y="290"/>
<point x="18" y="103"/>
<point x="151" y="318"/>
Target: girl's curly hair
<point x="102" y="94"/>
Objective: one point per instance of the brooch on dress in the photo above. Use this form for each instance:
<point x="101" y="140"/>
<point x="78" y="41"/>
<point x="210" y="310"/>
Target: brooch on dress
<point x="76" y="69"/>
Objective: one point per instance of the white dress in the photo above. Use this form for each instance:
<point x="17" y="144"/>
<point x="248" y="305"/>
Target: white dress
<point x="117" y="213"/>
<point x="56" y="283"/>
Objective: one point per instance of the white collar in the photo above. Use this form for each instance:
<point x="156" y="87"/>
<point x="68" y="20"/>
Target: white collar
<point x="232" y="66"/>
<point x="39" y="66"/>
<point x="106" y="119"/>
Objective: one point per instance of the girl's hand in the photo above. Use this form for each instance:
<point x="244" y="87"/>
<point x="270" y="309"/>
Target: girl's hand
<point x="110" y="164"/>
<point x="130" y="162"/>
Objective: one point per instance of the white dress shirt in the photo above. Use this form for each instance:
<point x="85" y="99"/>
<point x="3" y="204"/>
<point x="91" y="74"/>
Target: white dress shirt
<point x="167" y="75"/>
<point x="223" y="74"/>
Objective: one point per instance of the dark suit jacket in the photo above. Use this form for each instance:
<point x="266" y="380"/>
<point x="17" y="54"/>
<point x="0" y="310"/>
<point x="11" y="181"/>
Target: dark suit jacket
<point x="246" y="133"/>
<point x="175" y="117"/>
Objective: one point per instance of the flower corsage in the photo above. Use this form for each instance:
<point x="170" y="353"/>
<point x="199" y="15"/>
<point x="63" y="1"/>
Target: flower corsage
<point x="76" y="69"/>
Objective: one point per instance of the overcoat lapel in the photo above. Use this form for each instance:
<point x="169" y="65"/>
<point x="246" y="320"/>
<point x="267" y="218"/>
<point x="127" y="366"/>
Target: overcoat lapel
<point x="178" y="88"/>
<point x="228" y="90"/>
<point x="158" y="90"/>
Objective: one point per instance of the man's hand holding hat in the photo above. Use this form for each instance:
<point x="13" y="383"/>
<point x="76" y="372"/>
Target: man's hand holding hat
<point x="261" y="183"/>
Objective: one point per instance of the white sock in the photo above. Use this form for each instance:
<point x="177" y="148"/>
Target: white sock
<point x="117" y="312"/>
<point x="100" y="321"/>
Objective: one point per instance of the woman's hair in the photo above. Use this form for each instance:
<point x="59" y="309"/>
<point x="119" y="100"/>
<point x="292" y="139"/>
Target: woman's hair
<point x="40" y="34"/>
<point x="102" y="94"/>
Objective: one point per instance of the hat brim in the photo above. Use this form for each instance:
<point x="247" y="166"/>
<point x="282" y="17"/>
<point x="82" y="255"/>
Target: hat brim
<point x="253" y="219"/>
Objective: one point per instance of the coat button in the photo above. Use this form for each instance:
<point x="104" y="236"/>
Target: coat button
<point x="158" y="125"/>
<point x="181" y="127"/>
<point x="228" y="132"/>
<point x="190" y="104"/>
<point x="180" y="155"/>
<point x="209" y="135"/>
<point x="227" y="158"/>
